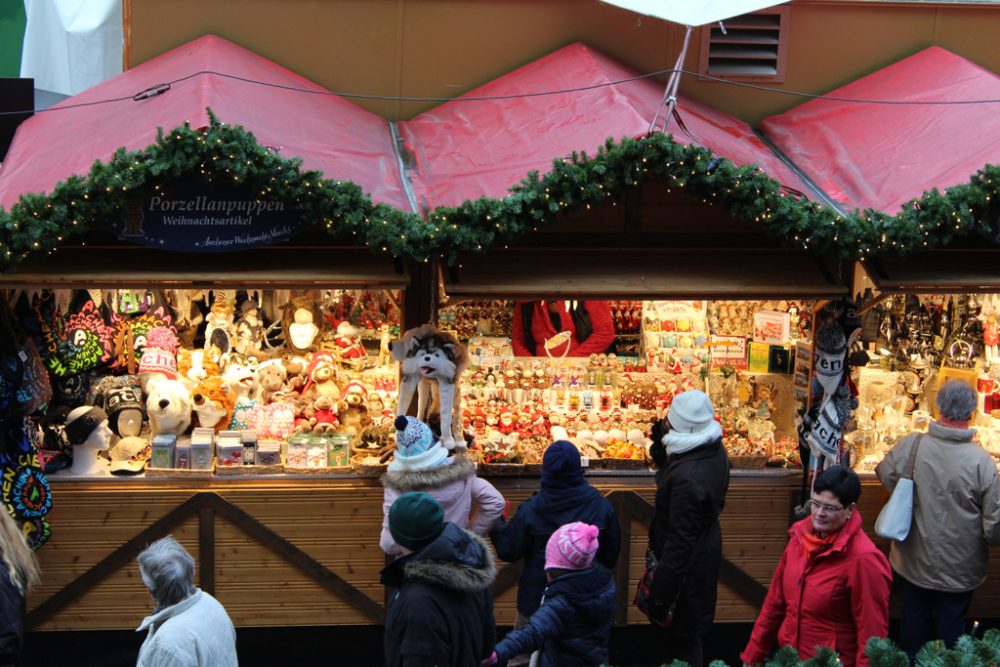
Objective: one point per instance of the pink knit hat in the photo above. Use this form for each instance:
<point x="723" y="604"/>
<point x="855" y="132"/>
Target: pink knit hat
<point x="572" y="547"/>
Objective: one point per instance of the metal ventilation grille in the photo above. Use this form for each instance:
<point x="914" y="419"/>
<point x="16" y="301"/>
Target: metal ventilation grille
<point x="752" y="47"/>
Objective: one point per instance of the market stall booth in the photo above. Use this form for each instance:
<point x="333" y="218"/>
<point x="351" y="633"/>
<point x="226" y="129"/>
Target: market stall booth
<point x="277" y="493"/>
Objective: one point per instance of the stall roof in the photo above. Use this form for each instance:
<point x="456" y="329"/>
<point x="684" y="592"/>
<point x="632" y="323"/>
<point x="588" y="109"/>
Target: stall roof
<point x="137" y="267"/>
<point x="642" y="274"/>
<point x="882" y="155"/>
<point x="468" y="148"/>
<point x="329" y="133"/>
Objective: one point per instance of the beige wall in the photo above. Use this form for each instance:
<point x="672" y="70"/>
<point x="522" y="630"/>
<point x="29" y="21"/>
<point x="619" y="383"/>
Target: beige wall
<point x="442" y="48"/>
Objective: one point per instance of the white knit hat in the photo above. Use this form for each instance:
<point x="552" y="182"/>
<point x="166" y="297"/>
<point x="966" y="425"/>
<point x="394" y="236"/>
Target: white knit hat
<point x="691" y="412"/>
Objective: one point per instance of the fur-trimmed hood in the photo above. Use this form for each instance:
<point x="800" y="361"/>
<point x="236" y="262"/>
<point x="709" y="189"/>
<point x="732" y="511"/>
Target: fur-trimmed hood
<point x="457" y="559"/>
<point x="417" y="480"/>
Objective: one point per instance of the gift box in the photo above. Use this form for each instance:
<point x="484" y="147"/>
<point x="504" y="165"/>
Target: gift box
<point x="268" y="453"/>
<point x="162" y="455"/>
<point x="339" y="451"/>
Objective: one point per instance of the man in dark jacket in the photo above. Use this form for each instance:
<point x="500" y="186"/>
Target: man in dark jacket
<point x="440" y="613"/>
<point x="565" y="497"/>
<point x="691" y="484"/>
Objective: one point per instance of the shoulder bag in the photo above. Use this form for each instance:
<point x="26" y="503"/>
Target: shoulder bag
<point x="896" y="517"/>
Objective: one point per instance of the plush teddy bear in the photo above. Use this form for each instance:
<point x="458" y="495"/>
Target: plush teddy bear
<point x="322" y="417"/>
<point x="168" y="405"/>
<point x="352" y="408"/>
<point x="322" y="377"/>
<point x="296" y="371"/>
<point x="213" y="403"/>
<point x="270" y="378"/>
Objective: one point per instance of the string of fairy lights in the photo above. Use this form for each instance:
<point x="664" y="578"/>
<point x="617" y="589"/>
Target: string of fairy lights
<point x="39" y="223"/>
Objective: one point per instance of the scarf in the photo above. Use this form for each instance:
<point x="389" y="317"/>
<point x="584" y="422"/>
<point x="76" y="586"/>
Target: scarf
<point x="678" y="443"/>
<point x="813" y="545"/>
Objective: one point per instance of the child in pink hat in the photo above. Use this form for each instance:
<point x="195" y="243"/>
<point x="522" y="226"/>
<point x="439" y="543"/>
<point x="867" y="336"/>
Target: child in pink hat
<point x="573" y="624"/>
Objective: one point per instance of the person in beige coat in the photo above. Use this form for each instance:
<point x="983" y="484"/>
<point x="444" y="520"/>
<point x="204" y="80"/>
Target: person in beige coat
<point x="956" y="516"/>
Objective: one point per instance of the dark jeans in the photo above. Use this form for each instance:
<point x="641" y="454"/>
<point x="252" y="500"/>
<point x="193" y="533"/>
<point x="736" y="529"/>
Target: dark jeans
<point x="931" y="615"/>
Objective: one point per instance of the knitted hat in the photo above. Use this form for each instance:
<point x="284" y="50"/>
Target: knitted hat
<point x="118" y="401"/>
<point x="572" y="547"/>
<point x="416" y="446"/>
<point x="691" y="412"/>
<point x="415" y="520"/>
<point x="561" y="466"/>
<point x="160" y="353"/>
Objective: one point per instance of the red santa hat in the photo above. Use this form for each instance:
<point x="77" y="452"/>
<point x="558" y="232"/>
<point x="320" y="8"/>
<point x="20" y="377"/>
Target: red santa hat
<point x="353" y="387"/>
<point x="317" y="359"/>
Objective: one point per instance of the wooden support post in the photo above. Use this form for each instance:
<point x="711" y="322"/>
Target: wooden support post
<point x="618" y="501"/>
<point x="206" y="548"/>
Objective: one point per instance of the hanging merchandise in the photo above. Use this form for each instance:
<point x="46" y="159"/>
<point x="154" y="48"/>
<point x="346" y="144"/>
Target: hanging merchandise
<point x="76" y="341"/>
<point x="25" y="489"/>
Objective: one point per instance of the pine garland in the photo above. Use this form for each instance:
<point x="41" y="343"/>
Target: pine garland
<point x="40" y="223"/>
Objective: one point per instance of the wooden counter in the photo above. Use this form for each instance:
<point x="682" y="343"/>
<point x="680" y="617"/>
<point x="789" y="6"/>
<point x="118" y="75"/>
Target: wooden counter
<point x="304" y="551"/>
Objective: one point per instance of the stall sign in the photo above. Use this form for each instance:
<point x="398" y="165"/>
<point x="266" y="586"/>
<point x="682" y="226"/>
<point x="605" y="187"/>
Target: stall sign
<point x="191" y="215"/>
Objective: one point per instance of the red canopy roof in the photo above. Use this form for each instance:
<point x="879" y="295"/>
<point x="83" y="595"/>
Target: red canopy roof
<point x="882" y="155"/>
<point x="466" y="149"/>
<point x="329" y="133"/>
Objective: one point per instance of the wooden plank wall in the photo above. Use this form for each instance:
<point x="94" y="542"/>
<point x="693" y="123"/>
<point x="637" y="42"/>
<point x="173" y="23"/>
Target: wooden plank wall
<point x="337" y="522"/>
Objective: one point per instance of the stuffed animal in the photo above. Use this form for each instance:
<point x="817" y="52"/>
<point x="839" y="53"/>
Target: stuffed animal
<point x="213" y="403"/>
<point x="168" y="405"/>
<point x="296" y="371"/>
<point x="238" y="377"/>
<point x="429" y="360"/>
<point x="193" y="366"/>
<point x="322" y="376"/>
<point x="322" y="418"/>
<point x="270" y="379"/>
<point x="352" y="408"/>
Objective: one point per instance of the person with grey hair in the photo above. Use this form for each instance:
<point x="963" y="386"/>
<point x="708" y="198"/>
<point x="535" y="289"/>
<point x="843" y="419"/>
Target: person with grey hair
<point x="188" y="627"/>
<point x="956" y="516"/>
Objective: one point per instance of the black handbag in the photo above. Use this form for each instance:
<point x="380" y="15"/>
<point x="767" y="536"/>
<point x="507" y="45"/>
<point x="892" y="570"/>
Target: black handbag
<point x="658" y="614"/>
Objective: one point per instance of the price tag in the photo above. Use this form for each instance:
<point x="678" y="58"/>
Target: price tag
<point x="584" y="461"/>
<point x="23" y="356"/>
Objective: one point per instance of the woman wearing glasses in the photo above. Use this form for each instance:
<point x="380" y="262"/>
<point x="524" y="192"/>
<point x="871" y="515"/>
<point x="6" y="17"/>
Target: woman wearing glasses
<point x="831" y="587"/>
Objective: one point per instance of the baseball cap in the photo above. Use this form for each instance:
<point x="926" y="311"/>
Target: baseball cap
<point x="129" y="455"/>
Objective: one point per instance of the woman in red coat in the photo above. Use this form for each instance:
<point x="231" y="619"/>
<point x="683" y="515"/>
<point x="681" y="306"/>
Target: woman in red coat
<point x="831" y="587"/>
<point x="588" y="323"/>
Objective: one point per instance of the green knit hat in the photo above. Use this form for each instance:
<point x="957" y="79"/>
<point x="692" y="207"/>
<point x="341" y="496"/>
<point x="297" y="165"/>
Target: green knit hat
<point x="415" y="520"/>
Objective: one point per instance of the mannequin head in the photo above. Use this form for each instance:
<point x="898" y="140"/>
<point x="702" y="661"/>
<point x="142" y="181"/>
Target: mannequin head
<point x="88" y="426"/>
<point x="88" y="431"/>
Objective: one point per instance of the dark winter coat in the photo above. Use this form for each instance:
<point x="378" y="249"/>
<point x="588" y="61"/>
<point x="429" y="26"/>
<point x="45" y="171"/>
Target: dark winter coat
<point x="11" y="618"/>
<point x="527" y="533"/>
<point x="573" y="625"/>
<point x="685" y="535"/>
<point x="440" y="613"/>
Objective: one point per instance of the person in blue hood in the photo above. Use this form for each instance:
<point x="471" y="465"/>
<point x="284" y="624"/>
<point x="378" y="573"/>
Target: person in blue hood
<point x="565" y="497"/>
<point x="573" y="624"/>
<point x="440" y="610"/>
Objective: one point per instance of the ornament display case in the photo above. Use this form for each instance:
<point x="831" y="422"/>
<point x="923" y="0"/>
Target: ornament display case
<point x="514" y="406"/>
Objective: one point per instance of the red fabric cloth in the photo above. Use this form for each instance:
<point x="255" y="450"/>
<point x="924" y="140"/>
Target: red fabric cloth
<point x="839" y="599"/>
<point x="542" y="329"/>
